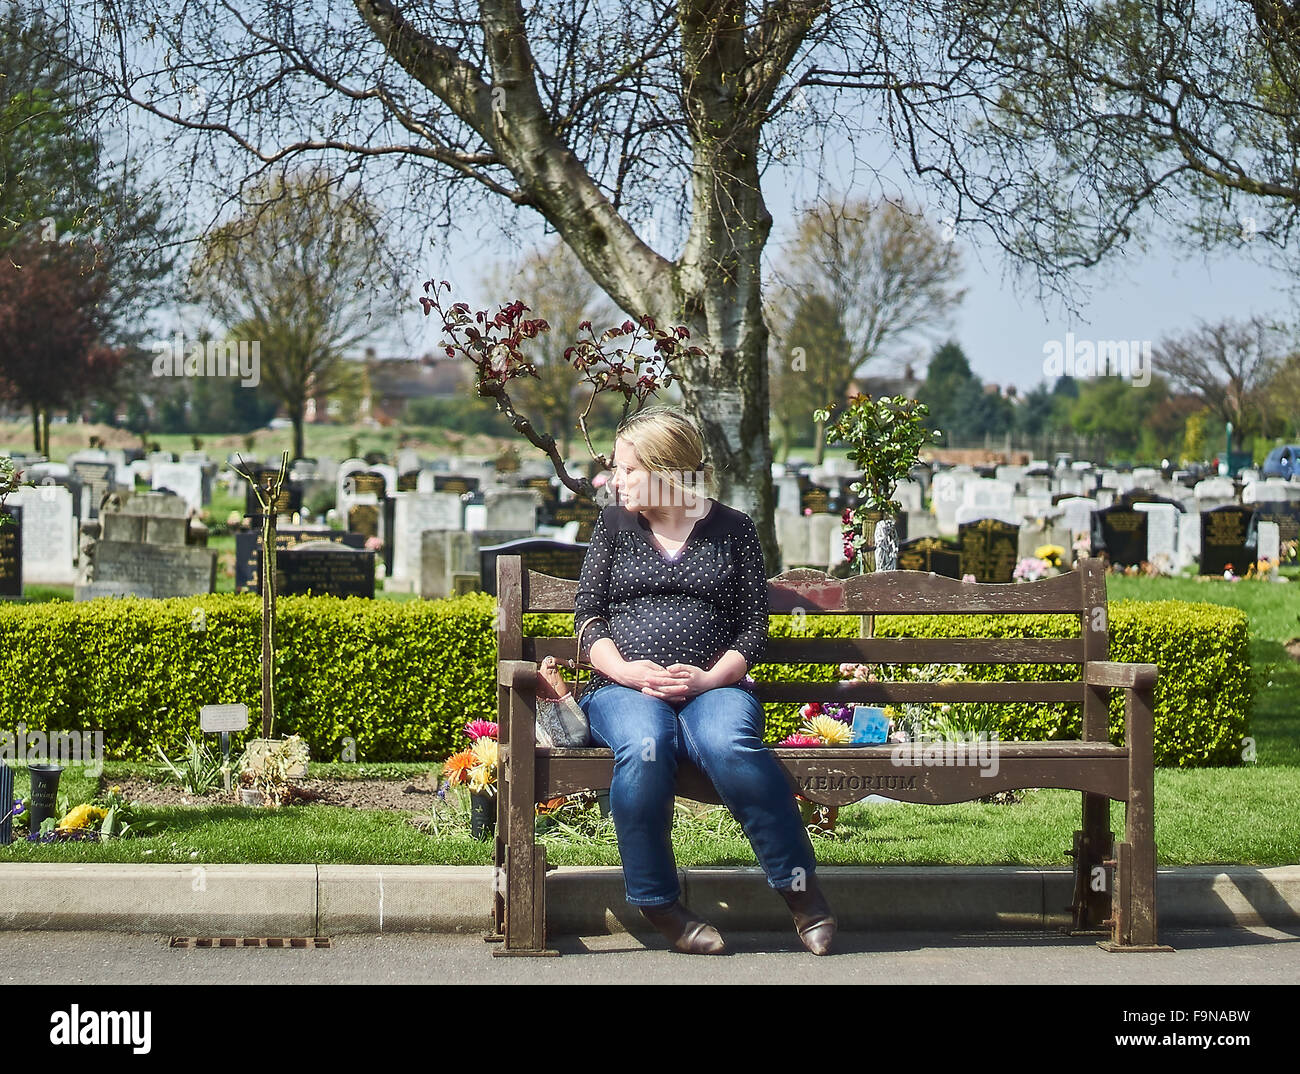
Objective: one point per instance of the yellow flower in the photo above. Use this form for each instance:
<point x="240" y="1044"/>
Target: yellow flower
<point x="481" y="780"/>
<point x="1050" y="552"/>
<point x="82" y="817"/>
<point x="832" y="732"/>
<point x="485" y="752"/>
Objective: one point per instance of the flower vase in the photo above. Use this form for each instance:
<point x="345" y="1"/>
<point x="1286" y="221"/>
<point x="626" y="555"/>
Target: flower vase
<point x="482" y="815"/>
<point x="886" y="545"/>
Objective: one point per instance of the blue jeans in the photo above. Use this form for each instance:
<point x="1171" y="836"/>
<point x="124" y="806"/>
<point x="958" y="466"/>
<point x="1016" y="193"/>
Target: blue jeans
<point x="721" y="732"/>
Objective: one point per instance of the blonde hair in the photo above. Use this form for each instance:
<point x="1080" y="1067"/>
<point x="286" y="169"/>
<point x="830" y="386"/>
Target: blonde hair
<point x="669" y="445"/>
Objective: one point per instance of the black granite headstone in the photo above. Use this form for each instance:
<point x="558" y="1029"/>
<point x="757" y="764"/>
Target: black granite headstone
<point x="1223" y="540"/>
<point x="11" y="553"/>
<point x="289" y="502"/>
<point x="812" y="497"/>
<point x="409" y="481"/>
<point x="930" y="554"/>
<point x="989" y="548"/>
<point x="325" y="568"/>
<point x="248" y="553"/>
<point x="1285" y="514"/>
<point x="363" y="518"/>
<point x="1120" y="531"/>
<point x="556" y="558"/>
<point x="580" y="510"/>
<point x="366" y="482"/>
<point x="549" y="499"/>
<point x="454" y="483"/>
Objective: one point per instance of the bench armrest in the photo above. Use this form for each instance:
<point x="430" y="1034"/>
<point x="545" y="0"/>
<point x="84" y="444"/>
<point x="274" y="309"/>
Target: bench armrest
<point x="517" y="674"/>
<point x="1126" y="676"/>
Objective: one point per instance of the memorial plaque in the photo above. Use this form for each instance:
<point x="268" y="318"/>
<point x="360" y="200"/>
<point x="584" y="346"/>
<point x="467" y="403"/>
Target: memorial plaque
<point x="1285" y="515"/>
<point x="814" y="498"/>
<point x="368" y="482"/>
<point x="325" y="568"/>
<point x="1121" y="533"/>
<point x="363" y="518"/>
<point x="580" y="510"/>
<point x="97" y="478"/>
<point x="11" y="552"/>
<point x="408" y="481"/>
<point x="216" y="718"/>
<point x="1223" y="540"/>
<point x="447" y="483"/>
<point x="931" y="554"/>
<point x="556" y="558"/>
<point x="988" y="549"/>
<point x="289" y="502"/>
<point x="248" y="552"/>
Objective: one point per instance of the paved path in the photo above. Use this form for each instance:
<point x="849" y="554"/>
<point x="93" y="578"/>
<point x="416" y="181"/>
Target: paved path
<point x="1221" y="956"/>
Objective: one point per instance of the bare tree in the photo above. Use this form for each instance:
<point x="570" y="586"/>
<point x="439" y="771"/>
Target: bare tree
<point x="884" y="272"/>
<point x="294" y="274"/>
<point x="631" y="128"/>
<point x="1227" y="366"/>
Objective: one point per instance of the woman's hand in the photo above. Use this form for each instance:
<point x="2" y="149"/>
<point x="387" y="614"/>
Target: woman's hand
<point x="654" y="679"/>
<point x="696" y="680"/>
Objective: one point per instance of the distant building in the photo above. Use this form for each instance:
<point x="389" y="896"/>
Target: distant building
<point x="388" y="384"/>
<point x="906" y="385"/>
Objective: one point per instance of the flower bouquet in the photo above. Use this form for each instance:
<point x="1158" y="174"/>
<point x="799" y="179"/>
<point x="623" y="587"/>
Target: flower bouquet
<point x="476" y="769"/>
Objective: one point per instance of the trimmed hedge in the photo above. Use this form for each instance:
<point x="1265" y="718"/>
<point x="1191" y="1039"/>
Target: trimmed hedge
<point x="402" y="679"/>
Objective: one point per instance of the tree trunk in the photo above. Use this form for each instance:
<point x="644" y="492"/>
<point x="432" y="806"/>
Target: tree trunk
<point x="36" y="428"/>
<point x="819" y="444"/>
<point x="45" y="432"/>
<point x="298" y="437"/>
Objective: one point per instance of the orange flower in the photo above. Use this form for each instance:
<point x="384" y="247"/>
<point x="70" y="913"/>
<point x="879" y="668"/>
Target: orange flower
<point x="457" y="767"/>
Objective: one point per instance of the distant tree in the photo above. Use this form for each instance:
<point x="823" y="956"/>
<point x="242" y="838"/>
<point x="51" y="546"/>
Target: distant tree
<point x="810" y="352"/>
<point x="885" y="273"/>
<point x="1228" y="366"/>
<point x="51" y="329"/>
<point x="300" y="272"/>
<point x="1036" y="413"/>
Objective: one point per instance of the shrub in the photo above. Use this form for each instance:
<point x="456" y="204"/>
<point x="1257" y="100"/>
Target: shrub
<point x="384" y="681"/>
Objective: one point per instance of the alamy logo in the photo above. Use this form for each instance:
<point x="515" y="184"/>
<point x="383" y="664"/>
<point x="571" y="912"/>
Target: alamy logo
<point x="1098" y="358"/>
<point x="218" y="358"/>
<point x="76" y="1026"/>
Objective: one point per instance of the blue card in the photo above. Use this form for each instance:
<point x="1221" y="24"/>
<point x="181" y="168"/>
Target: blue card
<point x="870" y="726"/>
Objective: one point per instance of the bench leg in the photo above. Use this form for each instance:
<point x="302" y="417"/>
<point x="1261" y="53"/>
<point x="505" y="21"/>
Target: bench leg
<point x="1091" y="906"/>
<point x="1133" y="920"/>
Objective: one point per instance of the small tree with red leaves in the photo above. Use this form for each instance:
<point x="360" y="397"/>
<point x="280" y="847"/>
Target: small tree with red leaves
<point x="613" y="361"/>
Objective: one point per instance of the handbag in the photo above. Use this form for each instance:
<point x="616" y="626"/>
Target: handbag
<point x="561" y="723"/>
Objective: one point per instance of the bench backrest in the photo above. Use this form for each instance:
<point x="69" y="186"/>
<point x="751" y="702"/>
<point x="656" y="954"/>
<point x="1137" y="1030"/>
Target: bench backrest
<point x="1080" y="592"/>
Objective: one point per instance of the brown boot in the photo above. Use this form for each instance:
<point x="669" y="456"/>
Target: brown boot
<point x="813" y="919"/>
<point x="684" y="930"/>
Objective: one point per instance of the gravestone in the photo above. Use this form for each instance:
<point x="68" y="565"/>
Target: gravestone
<point x="248" y="551"/>
<point x="11" y="554"/>
<point x="325" y="568"/>
<point x="556" y="558"/>
<point x="50" y="548"/>
<point x="1223" y="540"/>
<point x="510" y="509"/>
<point x="369" y="483"/>
<point x="142" y="549"/>
<point x="580" y="510"/>
<point x="1286" y="516"/>
<point x="1077" y="515"/>
<point x="1162" y="534"/>
<point x="97" y="479"/>
<point x="792" y="535"/>
<point x="1270" y="490"/>
<point x="364" y="518"/>
<point x="1120" y="532"/>
<point x="287" y="504"/>
<point x="408" y="481"/>
<point x="548" y="499"/>
<point x="988" y="549"/>
<point x="1268" y="542"/>
<point x="413" y="513"/>
<point x="931" y="554"/>
<point x="183" y="478"/>
<point x="813" y="498"/>
<point x="457" y="483"/>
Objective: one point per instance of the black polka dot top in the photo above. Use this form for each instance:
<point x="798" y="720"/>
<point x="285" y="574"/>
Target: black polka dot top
<point x="689" y="608"/>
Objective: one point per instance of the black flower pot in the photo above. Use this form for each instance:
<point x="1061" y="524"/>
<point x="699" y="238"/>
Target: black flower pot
<point x="482" y="815"/>
<point x="45" y="792"/>
<point x="7" y="801"/>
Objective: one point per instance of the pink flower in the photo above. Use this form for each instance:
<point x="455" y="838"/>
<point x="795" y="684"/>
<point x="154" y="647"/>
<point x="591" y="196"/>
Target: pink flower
<point x="374" y="544"/>
<point x="813" y="708"/>
<point x="968" y="577"/>
<point x="800" y="740"/>
<point x="481" y="729"/>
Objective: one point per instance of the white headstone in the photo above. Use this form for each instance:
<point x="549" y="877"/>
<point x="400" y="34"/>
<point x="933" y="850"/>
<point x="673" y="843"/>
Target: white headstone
<point x="1077" y="513"/>
<point x="49" y="534"/>
<point x="908" y="493"/>
<point x="413" y="513"/>
<point x="1273" y="488"/>
<point x="1269" y="541"/>
<point x="1162" y="531"/>
<point x="183" y="478"/>
<point x="510" y="509"/>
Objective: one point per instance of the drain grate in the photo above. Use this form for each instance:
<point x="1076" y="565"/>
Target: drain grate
<point x="250" y="941"/>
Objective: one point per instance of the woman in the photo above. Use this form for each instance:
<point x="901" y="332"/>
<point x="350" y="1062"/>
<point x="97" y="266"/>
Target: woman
<point x="673" y="594"/>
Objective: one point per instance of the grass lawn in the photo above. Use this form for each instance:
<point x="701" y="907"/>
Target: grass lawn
<point x="1243" y="815"/>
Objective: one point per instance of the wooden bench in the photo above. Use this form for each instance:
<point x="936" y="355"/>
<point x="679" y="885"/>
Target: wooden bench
<point x="1101" y="770"/>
